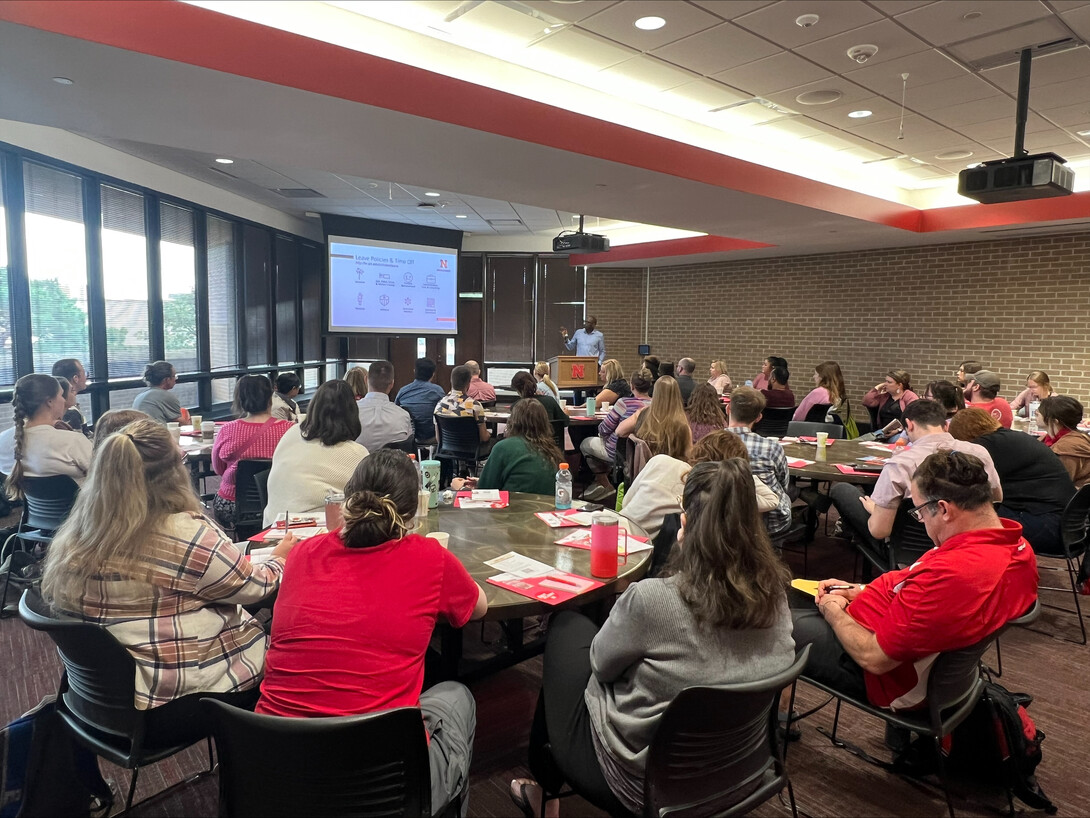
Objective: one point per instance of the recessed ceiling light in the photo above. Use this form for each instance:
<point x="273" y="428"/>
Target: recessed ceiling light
<point x="63" y="81"/>
<point x="650" y="23"/>
<point x="224" y="161"/>
<point x="461" y="216"/>
<point x="859" y="114"/>
<point x="1083" y="133"/>
<point x="972" y="15"/>
<point x="432" y="193"/>
<point x="818" y="97"/>
<point x="952" y="156"/>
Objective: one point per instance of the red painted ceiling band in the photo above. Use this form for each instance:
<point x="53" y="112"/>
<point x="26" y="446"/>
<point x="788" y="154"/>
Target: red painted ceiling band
<point x="669" y="248"/>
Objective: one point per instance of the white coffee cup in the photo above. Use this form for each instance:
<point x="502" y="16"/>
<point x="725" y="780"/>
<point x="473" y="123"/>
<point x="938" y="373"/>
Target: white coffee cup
<point x="564" y="405"/>
<point x="208" y="429"/>
<point x="175" y="431"/>
<point x="822" y="439"/>
<point x="442" y="536"/>
<point x="603" y="407"/>
<point x="422" y="498"/>
<point x="196" y="421"/>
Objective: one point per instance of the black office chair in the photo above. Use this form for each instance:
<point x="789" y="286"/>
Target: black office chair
<point x="261" y="482"/>
<point x="798" y="428"/>
<point x="558" y="427"/>
<point x="249" y="506"/>
<point x="459" y="442"/>
<point x="97" y="691"/>
<point x="818" y="412"/>
<point x="46" y="504"/>
<point x="370" y="765"/>
<point x="954" y="687"/>
<point x="773" y="422"/>
<point x="906" y="543"/>
<point x="716" y="752"/>
<point x="408" y="445"/>
<point x="1075" y="538"/>
<point x="874" y="424"/>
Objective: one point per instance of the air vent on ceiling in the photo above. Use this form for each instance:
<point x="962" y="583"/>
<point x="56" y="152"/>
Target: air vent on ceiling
<point x="426" y="205"/>
<point x="298" y="193"/>
<point x="223" y="173"/>
<point x="505" y="222"/>
<point x="1005" y="58"/>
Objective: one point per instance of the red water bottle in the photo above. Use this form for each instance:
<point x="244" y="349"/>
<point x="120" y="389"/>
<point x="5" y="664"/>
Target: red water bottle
<point x="603" y="546"/>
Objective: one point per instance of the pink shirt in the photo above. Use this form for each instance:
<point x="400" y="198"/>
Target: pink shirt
<point x="242" y="440"/>
<point x="817" y="396"/>
<point x="480" y="390"/>
<point x="760" y="382"/>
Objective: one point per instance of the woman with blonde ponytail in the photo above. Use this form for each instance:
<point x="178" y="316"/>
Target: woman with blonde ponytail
<point x="355" y="615"/>
<point x="138" y="556"/>
<point x="33" y="447"/>
<point x="545" y="385"/>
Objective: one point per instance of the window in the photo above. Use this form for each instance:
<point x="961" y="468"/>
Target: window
<point x="310" y="312"/>
<point x="450" y="352"/>
<point x="56" y="254"/>
<point x="177" y="264"/>
<point x="125" y="281"/>
<point x="509" y="332"/>
<point x="560" y="303"/>
<point x="7" y="340"/>
<point x="287" y="299"/>
<point x="222" y="311"/>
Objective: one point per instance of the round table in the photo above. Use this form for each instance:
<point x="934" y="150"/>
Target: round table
<point x="841" y="451"/>
<point x="477" y="535"/>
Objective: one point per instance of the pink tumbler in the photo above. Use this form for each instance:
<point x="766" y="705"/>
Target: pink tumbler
<point x="603" y="546"/>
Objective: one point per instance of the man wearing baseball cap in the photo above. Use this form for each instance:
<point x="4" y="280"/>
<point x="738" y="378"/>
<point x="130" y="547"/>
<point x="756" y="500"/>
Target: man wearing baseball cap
<point x="982" y="391"/>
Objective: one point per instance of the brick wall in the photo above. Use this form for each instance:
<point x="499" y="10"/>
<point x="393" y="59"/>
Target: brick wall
<point x="1016" y="305"/>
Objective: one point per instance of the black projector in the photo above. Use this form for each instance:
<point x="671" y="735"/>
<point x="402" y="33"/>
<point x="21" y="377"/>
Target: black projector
<point x="580" y="243"/>
<point x="1041" y="176"/>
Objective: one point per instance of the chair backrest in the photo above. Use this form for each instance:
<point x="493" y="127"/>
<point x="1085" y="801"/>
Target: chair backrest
<point x="370" y="765"/>
<point x="804" y="427"/>
<point x="715" y="747"/>
<point x="48" y="501"/>
<point x="636" y="455"/>
<point x="558" y="432"/>
<point x="1073" y="523"/>
<point x="458" y="438"/>
<point x="261" y="481"/>
<point x="873" y="411"/>
<point x="909" y="539"/>
<point x="408" y="445"/>
<point x="818" y="412"/>
<point x="100" y="672"/>
<point x="249" y="508"/>
<point x="773" y="422"/>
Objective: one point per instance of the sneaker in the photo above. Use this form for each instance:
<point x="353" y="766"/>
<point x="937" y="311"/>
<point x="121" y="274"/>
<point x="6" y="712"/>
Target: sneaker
<point x="596" y="492"/>
<point x="1084" y="589"/>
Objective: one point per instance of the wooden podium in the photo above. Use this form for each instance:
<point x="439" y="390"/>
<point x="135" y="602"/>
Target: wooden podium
<point x="574" y="371"/>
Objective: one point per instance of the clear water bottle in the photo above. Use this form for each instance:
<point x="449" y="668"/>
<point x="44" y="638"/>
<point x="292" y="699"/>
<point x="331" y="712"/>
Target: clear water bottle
<point x="563" y="487"/>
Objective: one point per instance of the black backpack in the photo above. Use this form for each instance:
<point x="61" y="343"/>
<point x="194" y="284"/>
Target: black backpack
<point x="999" y="744"/>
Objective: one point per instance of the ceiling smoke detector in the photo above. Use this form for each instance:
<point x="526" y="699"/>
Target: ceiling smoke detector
<point x="807" y="20"/>
<point x="862" y="53"/>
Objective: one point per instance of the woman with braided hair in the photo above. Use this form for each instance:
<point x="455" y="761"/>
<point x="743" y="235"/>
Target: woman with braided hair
<point x="356" y="612"/>
<point x="33" y="447"/>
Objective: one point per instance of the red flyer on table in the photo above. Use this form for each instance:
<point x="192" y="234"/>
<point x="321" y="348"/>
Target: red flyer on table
<point x="552" y="589"/>
<point x="482" y="498"/>
<point x="844" y="469"/>
<point x="812" y="439"/>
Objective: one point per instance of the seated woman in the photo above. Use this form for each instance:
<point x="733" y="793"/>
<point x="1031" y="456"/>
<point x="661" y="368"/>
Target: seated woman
<point x="34" y="447"/>
<point x="1060" y="416"/>
<point x="828" y="389"/>
<point x="778" y="394"/>
<point x="651" y="363"/>
<point x="718" y="378"/>
<point x="526" y="387"/>
<point x="662" y="425"/>
<point x="356" y="377"/>
<point x="527" y="457"/>
<point x="156" y="401"/>
<point x="719" y="616"/>
<point x="656" y="490"/>
<point x="288" y="387"/>
<point x="705" y="412"/>
<point x="616" y="387"/>
<point x="109" y="422"/>
<point x="318" y="455"/>
<point x="138" y="557"/>
<point x="1038" y="387"/>
<point x="356" y="612"/>
<point x="545" y="385"/>
<point x="891" y="397"/>
<point x="253" y="436"/>
<point x="950" y="396"/>
<point x="1036" y="486"/>
<point x="761" y="380"/>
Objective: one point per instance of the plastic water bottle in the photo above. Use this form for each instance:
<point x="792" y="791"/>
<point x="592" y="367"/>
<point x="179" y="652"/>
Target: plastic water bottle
<point x="419" y="473"/>
<point x="563" y="487"/>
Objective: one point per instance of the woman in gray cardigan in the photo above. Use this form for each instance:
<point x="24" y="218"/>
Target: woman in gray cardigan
<point x="719" y="616"/>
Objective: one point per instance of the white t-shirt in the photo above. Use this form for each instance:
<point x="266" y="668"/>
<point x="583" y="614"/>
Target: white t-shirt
<point x="47" y="452"/>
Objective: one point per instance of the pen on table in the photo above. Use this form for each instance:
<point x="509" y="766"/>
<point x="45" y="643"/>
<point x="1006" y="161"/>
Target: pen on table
<point x="287" y="521"/>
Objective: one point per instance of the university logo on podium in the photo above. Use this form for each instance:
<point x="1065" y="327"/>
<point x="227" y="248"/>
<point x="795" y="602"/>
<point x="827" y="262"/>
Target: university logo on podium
<point x="578" y="371"/>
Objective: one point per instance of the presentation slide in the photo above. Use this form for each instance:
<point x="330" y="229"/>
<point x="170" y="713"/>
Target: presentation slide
<point x="378" y="286"/>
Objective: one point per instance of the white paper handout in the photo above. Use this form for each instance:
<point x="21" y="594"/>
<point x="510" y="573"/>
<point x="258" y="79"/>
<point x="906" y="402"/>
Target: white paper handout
<point x="518" y="566"/>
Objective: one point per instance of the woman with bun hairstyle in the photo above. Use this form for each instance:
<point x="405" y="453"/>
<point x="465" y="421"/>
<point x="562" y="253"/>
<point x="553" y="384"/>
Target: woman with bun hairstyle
<point x="137" y="556"/>
<point x="355" y="615"/>
<point x="156" y="401"/>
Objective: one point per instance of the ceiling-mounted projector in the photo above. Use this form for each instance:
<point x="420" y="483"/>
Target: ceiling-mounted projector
<point x="580" y="243"/>
<point x="1040" y="176"/>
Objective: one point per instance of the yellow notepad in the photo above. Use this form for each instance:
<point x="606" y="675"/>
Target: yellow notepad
<point x="808" y="586"/>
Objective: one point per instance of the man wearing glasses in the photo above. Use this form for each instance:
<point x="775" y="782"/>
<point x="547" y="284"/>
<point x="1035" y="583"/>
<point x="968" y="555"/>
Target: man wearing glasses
<point x="879" y="640"/>
<point x="870" y="518"/>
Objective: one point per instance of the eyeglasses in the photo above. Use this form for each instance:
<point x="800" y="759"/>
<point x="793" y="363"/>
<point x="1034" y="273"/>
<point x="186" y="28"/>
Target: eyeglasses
<point x="916" y="512"/>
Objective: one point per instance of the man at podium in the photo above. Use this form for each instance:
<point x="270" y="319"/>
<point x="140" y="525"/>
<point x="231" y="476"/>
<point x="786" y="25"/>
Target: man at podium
<point x="587" y="341"/>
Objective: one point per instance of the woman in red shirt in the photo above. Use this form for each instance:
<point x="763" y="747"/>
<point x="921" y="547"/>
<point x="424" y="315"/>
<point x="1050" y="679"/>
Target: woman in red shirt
<point x="356" y="612"/>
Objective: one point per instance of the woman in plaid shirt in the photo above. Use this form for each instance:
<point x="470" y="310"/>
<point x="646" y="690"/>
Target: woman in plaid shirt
<point x="138" y="556"/>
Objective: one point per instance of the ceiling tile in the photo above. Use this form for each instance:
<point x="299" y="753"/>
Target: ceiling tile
<point x="849" y="90"/>
<point x="943" y="23"/>
<point x="729" y="9"/>
<point x="1044" y="71"/>
<point x="581" y="46"/>
<point x="1072" y="117"/>
<point x="772" y="74"/>
<point x="989" y="132"/>
<point x="493" y="23"/>
<point x="923" y="68"/>
<point x="1064" y="6"/>
<point x="981" y="153"/>
<point x="777" y="22"/>
<point x="570" y="12"/>
<point x="892" y="7"/>
<point x="943" y="95"/>
<point x="974" y="112"/>
<point x="701" y="96"/>
<point x="1009" y="42"/>
<point x="641" y="74"/>
<point x="1079" y="20"/>
<point x="837" y="114"/>
<point x="886" y="130"/>
<point x="618" y="22"/>
<point x="1061" y="94"/>
<point x="892" y="41"/>
<point x="716" y="49"/>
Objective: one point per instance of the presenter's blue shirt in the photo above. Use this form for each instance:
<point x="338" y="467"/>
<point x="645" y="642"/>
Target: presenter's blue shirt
<point x="588" y="343"/>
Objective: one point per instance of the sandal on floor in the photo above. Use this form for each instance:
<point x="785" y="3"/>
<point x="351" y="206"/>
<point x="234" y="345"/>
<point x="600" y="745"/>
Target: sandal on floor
<point x="519" y="786"/>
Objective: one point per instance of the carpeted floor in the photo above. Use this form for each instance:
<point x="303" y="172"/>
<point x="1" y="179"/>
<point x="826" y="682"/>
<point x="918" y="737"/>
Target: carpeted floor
<point x="827" y="781"/>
